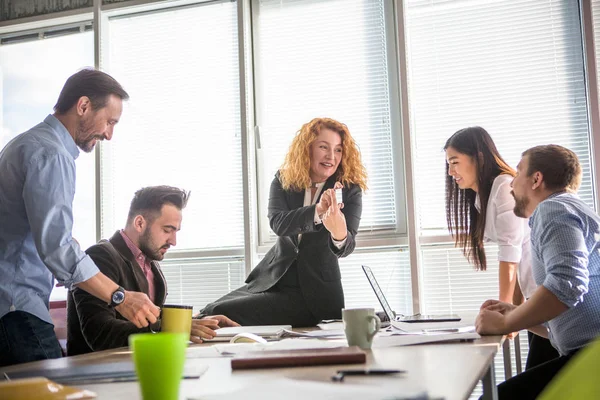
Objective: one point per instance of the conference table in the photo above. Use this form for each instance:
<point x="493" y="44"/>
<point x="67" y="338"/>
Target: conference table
<point x="449" y="370"/>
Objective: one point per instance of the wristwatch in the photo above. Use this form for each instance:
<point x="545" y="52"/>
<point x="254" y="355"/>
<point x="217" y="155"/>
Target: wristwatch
<point x="117" y="297"/>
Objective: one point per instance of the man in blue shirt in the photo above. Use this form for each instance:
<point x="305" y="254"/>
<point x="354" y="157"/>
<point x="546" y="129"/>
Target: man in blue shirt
<point x="565" y="245"/>
<point x="37" y="186"/>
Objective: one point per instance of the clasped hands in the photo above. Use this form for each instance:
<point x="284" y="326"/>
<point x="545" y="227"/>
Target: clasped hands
<point x="492" y="318"/>
<point x="330" y="213"/>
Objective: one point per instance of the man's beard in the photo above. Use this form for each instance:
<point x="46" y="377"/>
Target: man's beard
<point x="147" y="247"/>
<point x="521" y="206"/>
<point x="83" y="140"/>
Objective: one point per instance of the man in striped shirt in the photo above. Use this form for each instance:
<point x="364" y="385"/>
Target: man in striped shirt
<point x="565" y="250"/>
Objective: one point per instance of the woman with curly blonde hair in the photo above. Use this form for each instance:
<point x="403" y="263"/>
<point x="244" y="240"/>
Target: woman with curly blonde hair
<point x="298" y="281"/>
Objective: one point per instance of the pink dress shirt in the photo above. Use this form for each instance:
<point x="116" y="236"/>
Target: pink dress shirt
<point x="143" y="262"/>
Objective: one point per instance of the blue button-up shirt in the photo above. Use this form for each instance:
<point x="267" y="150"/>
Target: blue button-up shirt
<point x="37" y="186"/>
<point x="565" y="244"/>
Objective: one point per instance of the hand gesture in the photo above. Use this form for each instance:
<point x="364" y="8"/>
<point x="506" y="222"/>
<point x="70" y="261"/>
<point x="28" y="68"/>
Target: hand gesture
<point x="138" y="308"/>
<point x="205" y="327"/>
<point x="333" y="219"/>
<point x="327" y="199"/>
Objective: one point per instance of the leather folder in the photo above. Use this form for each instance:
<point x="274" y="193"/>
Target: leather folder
<point x="300" y="357"/>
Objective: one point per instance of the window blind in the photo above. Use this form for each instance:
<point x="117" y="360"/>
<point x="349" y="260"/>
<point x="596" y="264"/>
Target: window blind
<point x="181" y="126"/>
<point x="452" y="285"/>
<point x="199" y="282"/>
<point x="514" y="67"/>
<point x="392" y="271"/>
<point x="596" y="27"/>
<point x="327" y="58"/>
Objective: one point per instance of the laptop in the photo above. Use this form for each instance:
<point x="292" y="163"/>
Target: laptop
<point x="269" y="332"/>
<point x="391" y="315"/>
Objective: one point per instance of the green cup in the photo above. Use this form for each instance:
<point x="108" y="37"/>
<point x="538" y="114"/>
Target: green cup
<point x="159" y="360"/>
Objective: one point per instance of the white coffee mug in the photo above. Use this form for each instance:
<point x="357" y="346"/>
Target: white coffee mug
<point x="360" y="326"/>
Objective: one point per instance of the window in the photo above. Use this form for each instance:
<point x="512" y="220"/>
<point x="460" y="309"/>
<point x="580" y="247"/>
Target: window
<point x="336" y="59"/>
<point x="512" y="67"/>
<point x="181" y="127"/>
<point x="392" y="271"/>
<point x="330" y="59"/>
<point x="198" y="283"/>
<point x="32" y="74"/>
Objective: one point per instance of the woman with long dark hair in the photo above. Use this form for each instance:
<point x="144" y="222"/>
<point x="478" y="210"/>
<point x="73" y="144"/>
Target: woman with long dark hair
<point x="479" y="208"/>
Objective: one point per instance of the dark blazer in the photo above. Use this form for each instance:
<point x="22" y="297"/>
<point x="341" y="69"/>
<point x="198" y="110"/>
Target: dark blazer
<point x="93" y="325"/>
<point x="316" y="256"/>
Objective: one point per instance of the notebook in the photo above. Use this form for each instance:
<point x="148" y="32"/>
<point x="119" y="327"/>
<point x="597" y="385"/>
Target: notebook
<point x="391" y="315"/>
<point x="301" y="357"/>
<point x="122" y="371"/>
<point x="269" y="332"/>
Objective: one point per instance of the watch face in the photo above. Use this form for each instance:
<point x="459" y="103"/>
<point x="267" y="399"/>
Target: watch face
<point x="118" y="297"/>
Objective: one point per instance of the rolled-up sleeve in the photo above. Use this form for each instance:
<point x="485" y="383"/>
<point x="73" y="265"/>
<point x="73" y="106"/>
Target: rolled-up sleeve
<point x="48" y="195"/>
<point x="565" y="254"/>
<point x="510" y="229"/>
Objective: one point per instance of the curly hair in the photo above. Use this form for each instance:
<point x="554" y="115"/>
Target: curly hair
<point x="295" y="171"/>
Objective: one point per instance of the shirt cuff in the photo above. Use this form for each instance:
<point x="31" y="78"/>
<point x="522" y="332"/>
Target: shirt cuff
<point x="339" y="243"/>
<point x="84" y="270"/>
<point x="509" y="253"/>
<point x="317" y="219"/>
<point x="564" y="290"/>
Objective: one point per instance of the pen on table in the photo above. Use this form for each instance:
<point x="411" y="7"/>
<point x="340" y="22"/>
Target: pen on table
<point x="341" y="374"/>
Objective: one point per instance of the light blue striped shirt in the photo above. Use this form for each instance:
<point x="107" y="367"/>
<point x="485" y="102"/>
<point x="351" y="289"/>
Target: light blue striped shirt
<point x="37" y="187"/>
<point x="565" y="244"/>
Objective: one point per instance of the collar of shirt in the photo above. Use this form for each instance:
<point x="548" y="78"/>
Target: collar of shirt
<point x="553" y="195"/>
<point x="307" y="197"/>
<point x="63" y="134"/>
<point x="137" y="253"/>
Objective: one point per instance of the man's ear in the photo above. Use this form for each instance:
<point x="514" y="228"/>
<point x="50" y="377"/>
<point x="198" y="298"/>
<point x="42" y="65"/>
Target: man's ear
<point x="538" y="179"/>
<point x="139" y="223"/>
<point x="83" y="105"/>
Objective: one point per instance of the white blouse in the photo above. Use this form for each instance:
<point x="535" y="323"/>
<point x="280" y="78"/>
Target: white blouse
<point x="509" y="232"/>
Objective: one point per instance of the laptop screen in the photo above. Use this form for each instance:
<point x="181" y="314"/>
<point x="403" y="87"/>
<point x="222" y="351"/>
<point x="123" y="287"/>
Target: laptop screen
<point x="386" y="307"/>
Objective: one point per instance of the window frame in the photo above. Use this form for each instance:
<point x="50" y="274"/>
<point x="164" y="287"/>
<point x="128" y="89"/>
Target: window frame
<point x="365" y="239"/>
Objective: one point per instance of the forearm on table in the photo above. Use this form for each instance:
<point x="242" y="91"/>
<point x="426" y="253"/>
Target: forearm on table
<point x="541" y="307"/>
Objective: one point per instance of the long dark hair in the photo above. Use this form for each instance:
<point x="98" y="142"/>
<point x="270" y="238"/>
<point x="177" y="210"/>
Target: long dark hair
<point x="466" y="225"/>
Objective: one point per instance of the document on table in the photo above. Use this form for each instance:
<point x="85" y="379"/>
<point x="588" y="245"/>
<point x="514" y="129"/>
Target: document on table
<point x="431" y="327"/>
<point x="292" y="389"/>
<point x="231" y="349"/>
<point x="323" y="333"/>
<point x="412" y="339"/>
